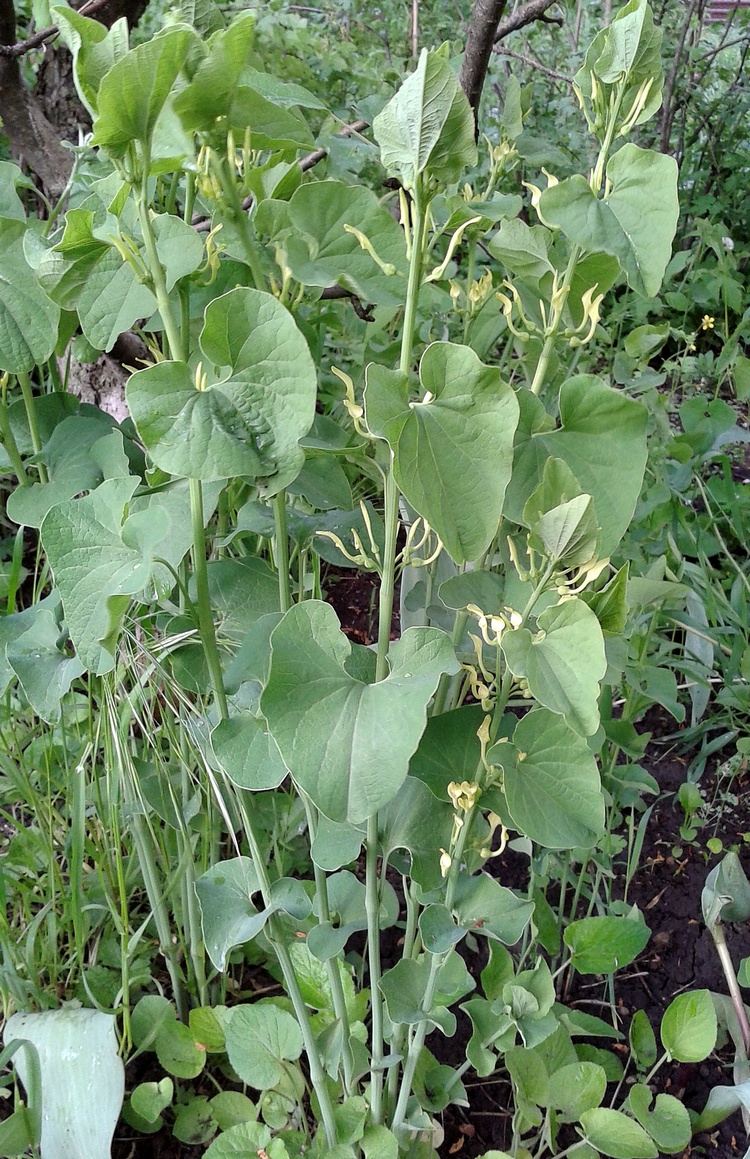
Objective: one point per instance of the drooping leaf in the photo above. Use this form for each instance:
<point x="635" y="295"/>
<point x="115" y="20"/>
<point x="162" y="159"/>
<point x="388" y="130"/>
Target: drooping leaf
<point x="601" y="433"/>
<point x="636" y="220"/>
<point x="248" y="422"/>
<point x="562" y="663"/>
<point x="551" y="782"/>
<point x="347" y="743"/>
<point x="78" y="1054"/>
<point x="453" y="449"/>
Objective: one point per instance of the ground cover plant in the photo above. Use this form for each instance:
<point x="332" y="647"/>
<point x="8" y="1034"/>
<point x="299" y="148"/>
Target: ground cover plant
<point x="255" y="858"/>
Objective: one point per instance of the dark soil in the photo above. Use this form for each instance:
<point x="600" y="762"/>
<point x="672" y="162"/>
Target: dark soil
<point x="680" y="955"/>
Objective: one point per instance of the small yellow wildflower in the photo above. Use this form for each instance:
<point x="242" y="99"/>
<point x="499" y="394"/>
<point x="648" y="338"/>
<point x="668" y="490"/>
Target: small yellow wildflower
<point x="708" y="322"/>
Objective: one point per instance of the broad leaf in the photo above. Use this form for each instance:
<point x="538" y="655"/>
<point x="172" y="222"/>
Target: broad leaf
<point x="562" y="663"/>
<point x="688" y="1028"/>
<point x="616" y="1135"/>
<point x="551" y="783"/>
<point x="603" y="945"/>
<point x="636" y="220"/>
<point x="135" y="90"/>
<point x="428" y="127"/>
<point x="453" y="449"/>
<point x="602" y="433"/>
<point x="99" y="560"/>
<point x="321" y="252"/>
<point x="77" y="1050"/>
<point x="247" y="422"/>
<point x="260" y="1039"/>
<point x="95" y="50"/>
<point x="346" y="743"/>
<point x="229" y="916"/>
<point x="668" y="1123"/>
<point x="28" y="318"/>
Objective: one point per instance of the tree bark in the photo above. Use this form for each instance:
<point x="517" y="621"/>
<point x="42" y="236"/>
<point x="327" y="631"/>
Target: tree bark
<point x="534" y="10"/>
<point x="485" y="18"/>
<point x="35" y="121"/>
<point x="33" y="140"/>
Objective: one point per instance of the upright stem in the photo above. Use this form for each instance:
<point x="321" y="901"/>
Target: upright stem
<point x="7" y="438"/>
<point x="276" y="937"/>
<point x="205" y="615"/>
<point x="242" y="221"/>
<point x="372" y="904"/>
<point x="29" y="403"/>
<point x="281" y="550"/>
<point x="332" y="965"/>
<point x="156" y="270"/>
<point x="385" y="615"/>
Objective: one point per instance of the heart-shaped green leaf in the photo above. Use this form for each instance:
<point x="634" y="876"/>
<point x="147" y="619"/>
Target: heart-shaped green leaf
<point x="562" y="662"/>
<point x="250" y="420"/>
<point x="551" y="782"/>
<point x="453" y="449"/>
<point x="347" y="743"/>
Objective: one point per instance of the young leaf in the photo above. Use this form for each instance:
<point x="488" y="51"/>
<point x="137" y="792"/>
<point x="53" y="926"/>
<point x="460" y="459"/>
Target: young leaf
<point x="428" y="127"/>
<point x="689" y="1027"/>
<point x="135" y="90"/>
<point x="626" y="55"/>
<point x="642" y="1041"/>
<point x="603" y="945"/>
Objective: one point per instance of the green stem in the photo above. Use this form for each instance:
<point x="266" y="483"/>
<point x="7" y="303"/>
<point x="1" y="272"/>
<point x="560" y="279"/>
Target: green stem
<point x="205" y="615"/>
<point x="30" y="404"/>
<point x="551" y="337"/>
<point x="332" y="970"/>
<point x="436" y="963"/>
<point x="276" y="937"/>
<point x="242" y="221"/>
<point x="281" y="550"/>
<point x="156" y="270"/>
<point x="372" y="905"/>
<point x="9" y="442"/>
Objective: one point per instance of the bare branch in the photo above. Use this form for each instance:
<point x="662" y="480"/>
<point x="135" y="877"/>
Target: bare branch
<point x="531" y="63"/>
<point x="313" y="158"/>
<point x="44" y="34"/>
<point x="485" y="18"/>
<point x="527" y="14"/>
